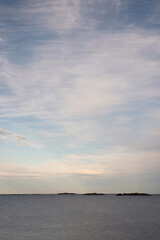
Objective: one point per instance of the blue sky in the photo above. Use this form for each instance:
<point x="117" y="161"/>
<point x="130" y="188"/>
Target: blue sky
<point x="79" y="96"/>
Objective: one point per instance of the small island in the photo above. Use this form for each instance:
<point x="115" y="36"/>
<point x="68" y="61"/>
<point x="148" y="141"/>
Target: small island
<point x="93" y="194"/>
<point x="133" y="194"/>
<point x="66" y="193"/>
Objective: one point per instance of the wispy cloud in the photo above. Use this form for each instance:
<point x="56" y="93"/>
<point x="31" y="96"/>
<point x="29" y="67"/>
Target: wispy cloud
<point x="92" y="81"/>
<point x="83" y="165"/>
<point x="8" y="136"/>
<point x="55" y="15"/>
<point x="73" y="91"/>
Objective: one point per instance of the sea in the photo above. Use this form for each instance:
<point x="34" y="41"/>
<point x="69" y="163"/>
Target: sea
<point x="79" y="217"/>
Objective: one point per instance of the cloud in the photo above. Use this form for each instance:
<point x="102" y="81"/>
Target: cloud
<point x="7" y="136"/>
<point x="56" y="15"/>
<point x="83" y="165"/>
<point x="39" y="17"/>
<point x="4" y="132"/>
<point x="79" y="86"/>
<point x="153" y="18"/>
<point x="88" y="82"/>
<point x="45" y="171"/>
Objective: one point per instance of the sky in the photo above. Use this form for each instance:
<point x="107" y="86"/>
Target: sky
<point x="79" y="96"/>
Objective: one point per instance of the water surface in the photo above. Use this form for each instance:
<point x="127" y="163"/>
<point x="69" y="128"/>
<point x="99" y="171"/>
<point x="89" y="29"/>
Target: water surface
<point x="78" y="217"/>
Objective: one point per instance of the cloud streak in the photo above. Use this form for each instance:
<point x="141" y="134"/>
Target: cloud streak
<point x="82" y="165"/>
<point x="8" y="136"/>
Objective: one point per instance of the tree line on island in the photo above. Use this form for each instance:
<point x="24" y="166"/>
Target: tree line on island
<point x="97" y="194"/>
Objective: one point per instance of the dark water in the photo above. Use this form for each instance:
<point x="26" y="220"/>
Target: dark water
<point x="59" y="217"/>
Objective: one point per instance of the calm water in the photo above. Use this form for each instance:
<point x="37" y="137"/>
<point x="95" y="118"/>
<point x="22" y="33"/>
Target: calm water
<point x="59" y="217"/>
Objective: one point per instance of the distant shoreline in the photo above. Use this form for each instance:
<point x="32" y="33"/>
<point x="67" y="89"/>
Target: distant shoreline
<point x="82" y="194"/>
